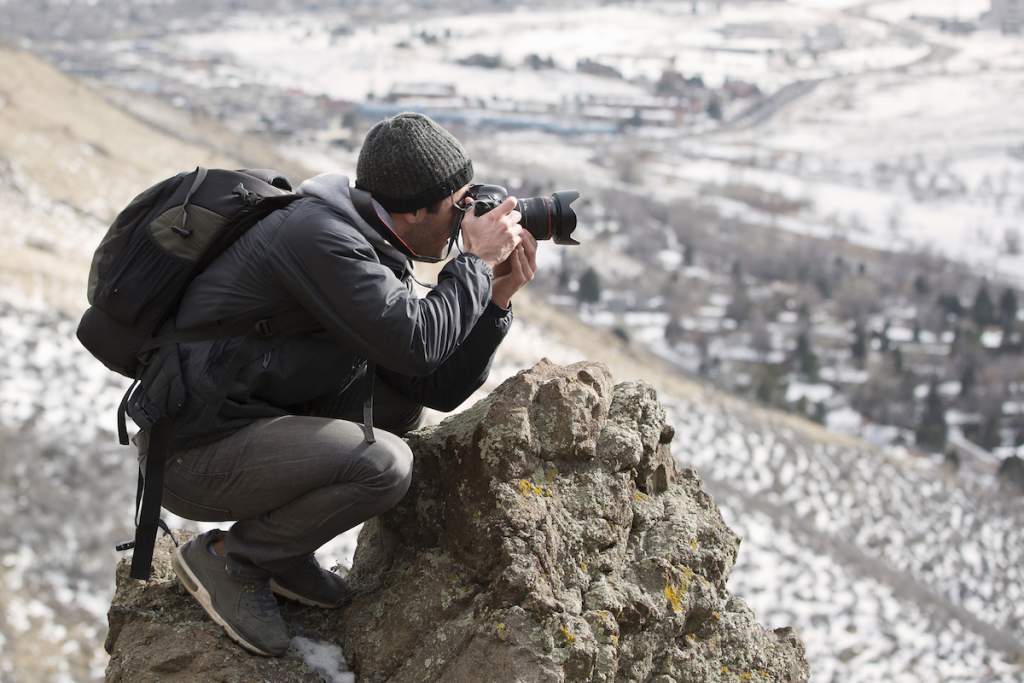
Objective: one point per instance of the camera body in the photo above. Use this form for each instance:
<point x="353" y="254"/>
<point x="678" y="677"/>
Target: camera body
<point x="546" y="218"/>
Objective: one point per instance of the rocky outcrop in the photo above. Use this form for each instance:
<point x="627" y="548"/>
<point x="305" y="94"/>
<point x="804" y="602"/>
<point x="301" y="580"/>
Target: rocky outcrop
<point x="549" y="535"/>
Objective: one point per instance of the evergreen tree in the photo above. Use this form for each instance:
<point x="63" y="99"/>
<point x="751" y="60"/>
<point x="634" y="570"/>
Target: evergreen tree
<point x="952" y="460"/>
<point x="989" y="438"/>
<point x="883" y="338"/>
<point x="820" y="412"/>
<point x="714" y="109"/>
<point x="689" y="254"/>
<point x="673" y="331"/>
<point x="897" y="359"/>
<point x="769" y="384"/>
<point x="564" y="276"/>
<point x="824" y="287"/>
<point x="740" y="306"/>
<point x="590" y="287"/>
<point x="921" y="287"/>
<point x="983" y="311"/>
<point x="801" y="405"/>
<point x="806" y="360"/>
<point x="950" y="305"/>
<point x="1008" y="311"/>
<point x="859" y="348"/>
<point x="967" y="380"/>
<point x="931" y="431"/>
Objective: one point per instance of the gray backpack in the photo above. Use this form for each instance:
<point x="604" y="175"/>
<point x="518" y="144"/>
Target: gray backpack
<point x="155" y="247"/>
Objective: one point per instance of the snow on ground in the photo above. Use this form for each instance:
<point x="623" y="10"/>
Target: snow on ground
<point x="888" y="569"/>
<point x="300" y="51"/>
<point x="965" y="10"/>
<point x="325" y="659"/>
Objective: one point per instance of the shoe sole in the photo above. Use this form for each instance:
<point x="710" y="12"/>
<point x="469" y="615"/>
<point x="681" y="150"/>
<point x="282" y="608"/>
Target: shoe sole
<point x="198" y="591"/>
<point x="285" y="593"/>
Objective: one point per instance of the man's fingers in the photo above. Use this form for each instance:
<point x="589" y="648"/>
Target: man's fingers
<point x="530" y="245"/>
<point x="504" y="207"/>
<point x="518" y="267"/>
<point x="528" y="268"/>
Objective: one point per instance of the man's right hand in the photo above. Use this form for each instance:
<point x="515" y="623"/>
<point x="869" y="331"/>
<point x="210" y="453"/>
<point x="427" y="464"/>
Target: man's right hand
<point x="493" y="235"/>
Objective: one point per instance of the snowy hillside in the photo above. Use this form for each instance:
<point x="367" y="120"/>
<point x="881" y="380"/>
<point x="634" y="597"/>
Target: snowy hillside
<point x="889" y="569"/>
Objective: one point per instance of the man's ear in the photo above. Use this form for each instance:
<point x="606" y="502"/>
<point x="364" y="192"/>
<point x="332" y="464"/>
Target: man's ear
<point x="415" y="217"/>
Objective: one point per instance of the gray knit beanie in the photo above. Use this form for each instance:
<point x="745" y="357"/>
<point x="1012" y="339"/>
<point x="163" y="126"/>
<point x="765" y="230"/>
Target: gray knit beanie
<point x="409" y="162"/>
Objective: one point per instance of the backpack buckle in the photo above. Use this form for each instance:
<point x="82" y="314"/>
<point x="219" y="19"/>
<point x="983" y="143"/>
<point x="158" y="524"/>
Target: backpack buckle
<point x="249" y="198"/>
<point x="265" y="327"/>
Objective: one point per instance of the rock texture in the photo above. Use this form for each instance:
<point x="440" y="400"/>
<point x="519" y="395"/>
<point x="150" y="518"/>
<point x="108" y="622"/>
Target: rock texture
<point x="548" y="535"/>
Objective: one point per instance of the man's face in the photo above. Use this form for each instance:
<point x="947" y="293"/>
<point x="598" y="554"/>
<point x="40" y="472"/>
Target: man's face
<point x="434" y="232"/>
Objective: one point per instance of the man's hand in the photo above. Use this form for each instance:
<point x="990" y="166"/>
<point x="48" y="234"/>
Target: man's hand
<point x="511" y="274"/>
<point x="493" y="235"/>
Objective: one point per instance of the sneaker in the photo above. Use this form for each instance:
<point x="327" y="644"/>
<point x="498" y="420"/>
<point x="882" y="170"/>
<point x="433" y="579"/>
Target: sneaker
<point x="246" y="608"/>
<point x="312" y="585"/>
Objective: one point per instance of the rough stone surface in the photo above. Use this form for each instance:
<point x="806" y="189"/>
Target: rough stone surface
<point x="548" y="535"/>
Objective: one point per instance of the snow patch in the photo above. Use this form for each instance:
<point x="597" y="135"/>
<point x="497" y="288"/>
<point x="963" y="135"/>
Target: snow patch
<point x="326" y="659"/>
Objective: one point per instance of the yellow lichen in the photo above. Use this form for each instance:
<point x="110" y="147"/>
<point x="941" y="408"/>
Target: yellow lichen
<point x="567" y="634"/>
<point x="693" y="544"/>
<point x="501" y="630"/>
<point x="725" y="669"/>
<point x="639" y="496"/>
<point x="746" y="676"/>
<point x="584" y="568"/>
<point x="528" y="487"/>
<point x="674" y="599"/>
<point x="613" y="639"/>
<point x="716" y="615"/>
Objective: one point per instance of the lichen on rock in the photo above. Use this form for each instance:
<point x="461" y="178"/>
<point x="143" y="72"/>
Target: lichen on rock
<point x="548" y="535"/>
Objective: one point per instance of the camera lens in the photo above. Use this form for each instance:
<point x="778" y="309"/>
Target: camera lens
<point x="546" y="218"/>
<point x="550" y="218"/>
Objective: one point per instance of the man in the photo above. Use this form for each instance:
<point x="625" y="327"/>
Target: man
<point x="269" y="432"/>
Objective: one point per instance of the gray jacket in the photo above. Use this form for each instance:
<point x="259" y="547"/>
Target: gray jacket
<point x="319" y="255"/>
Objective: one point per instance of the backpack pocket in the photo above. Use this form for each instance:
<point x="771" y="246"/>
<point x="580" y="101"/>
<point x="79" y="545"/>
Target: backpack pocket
<point x="161" y="393"/>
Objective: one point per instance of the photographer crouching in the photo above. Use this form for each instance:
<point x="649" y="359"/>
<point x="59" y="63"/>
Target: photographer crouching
<point x="297" y="437"/>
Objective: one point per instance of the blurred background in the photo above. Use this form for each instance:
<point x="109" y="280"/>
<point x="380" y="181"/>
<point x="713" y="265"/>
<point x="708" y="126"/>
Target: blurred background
<point x="801" y="221"/>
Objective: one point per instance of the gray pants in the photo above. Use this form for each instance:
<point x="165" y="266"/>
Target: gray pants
<point x="293" y="482"/>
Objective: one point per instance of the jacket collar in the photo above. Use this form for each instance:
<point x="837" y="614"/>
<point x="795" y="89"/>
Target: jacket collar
<point x="361" y="211"/>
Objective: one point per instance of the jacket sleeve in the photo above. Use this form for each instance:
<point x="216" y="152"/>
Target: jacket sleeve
<point x="463" y="373"/>
<point x="334" y="273"/>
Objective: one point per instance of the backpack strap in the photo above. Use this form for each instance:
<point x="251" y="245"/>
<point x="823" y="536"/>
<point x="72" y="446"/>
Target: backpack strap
<point x="371" y="370"/>
<point x="291" y="322"/>
<point x="122" y="428"/>
<point x="148" y="498"/>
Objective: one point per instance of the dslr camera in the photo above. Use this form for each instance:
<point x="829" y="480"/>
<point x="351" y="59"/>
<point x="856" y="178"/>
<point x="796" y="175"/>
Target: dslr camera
<point x="546" y="218"/>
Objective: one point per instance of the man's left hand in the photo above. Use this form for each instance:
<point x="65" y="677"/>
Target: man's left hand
<point x="515" y="271"/>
